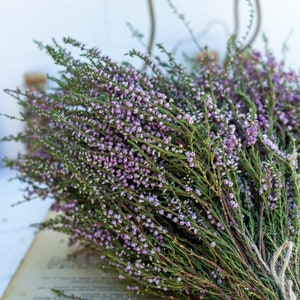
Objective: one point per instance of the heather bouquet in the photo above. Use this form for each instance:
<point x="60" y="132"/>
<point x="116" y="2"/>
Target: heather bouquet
<point x="187" y="181"/>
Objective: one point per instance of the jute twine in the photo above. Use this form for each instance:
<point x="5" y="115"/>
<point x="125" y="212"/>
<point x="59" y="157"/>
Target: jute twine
<point x="285" y="285"/>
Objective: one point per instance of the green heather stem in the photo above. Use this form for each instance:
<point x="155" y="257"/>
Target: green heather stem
<point x="186" y="181"/>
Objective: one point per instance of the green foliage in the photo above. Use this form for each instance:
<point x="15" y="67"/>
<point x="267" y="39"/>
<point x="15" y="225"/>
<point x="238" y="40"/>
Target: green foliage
<point x="186" y="180"/>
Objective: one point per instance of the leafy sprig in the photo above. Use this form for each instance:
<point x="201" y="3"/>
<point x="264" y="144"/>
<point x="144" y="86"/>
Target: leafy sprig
<point x="186" y="180"/>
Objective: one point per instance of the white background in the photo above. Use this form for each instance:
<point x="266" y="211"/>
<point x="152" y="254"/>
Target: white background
<point x="102" y="23"/>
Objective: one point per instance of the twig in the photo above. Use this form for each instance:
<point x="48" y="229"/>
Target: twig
<point x="258" y="25"/>
<point x="152" y="31"/>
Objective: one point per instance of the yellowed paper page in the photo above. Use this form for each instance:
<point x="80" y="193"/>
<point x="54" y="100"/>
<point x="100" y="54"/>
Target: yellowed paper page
<point x="48" y="266"/>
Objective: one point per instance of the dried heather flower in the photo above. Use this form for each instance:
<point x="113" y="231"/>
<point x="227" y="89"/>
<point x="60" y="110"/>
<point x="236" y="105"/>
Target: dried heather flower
<point x="187" y="181"/>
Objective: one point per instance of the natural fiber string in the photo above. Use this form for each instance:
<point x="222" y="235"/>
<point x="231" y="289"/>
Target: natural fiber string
<point x="254" y="247"/>
<point x="285" y="286"/>
<point x="280" y="279"/>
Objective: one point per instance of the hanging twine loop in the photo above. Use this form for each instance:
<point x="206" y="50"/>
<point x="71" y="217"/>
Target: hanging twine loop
<point x="285" y="285"/>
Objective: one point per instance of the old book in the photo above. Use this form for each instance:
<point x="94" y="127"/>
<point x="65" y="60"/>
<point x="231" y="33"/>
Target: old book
<point x="49" y="266"/>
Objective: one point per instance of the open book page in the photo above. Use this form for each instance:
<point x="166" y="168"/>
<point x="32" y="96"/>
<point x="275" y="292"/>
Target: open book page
<point x="47" y="266"/>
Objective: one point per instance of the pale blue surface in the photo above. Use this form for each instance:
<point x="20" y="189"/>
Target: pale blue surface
<point x="16" y="234"/>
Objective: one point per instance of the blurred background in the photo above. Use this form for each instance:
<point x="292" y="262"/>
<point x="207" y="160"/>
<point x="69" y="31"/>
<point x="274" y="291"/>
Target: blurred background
<point x="102" y="23"/>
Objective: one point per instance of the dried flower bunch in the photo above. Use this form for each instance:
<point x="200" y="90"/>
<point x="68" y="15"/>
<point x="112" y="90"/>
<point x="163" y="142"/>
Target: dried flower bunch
<point x="186" y="180"/>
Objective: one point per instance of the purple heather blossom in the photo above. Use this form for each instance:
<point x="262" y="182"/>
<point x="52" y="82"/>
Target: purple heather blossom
<point x="269" y="143"/>
<point x="147" y="168"/>
<point x="251" y="134"/>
